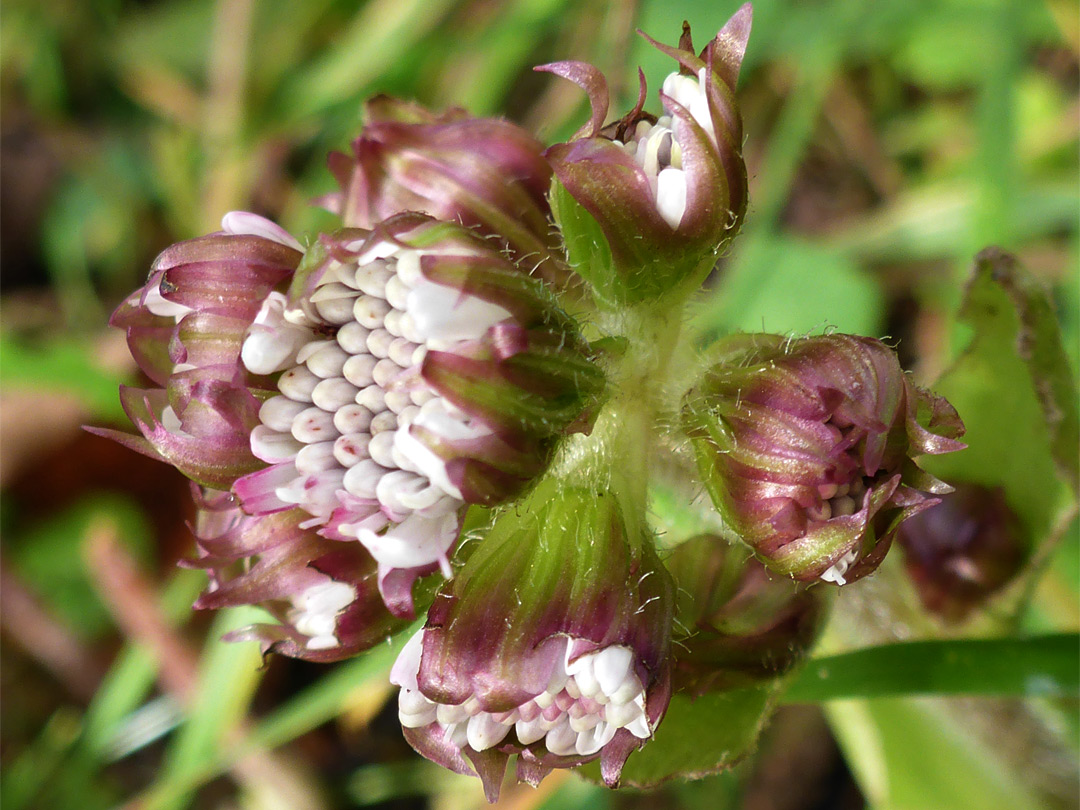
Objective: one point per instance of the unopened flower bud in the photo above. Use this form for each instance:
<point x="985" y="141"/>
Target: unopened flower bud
<point x="485" y="173"/>
<point x="743" y="624"/>
<point x="185" y="329"/>
<point x="963" y="551"/>
<point x="667" y="192"/>
<point x="806" y="448"/>
<point x="550" y="643"/>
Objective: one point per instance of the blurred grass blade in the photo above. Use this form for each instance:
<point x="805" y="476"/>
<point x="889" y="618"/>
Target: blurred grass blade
<point x="228" y="678"/>
<point x="132" y="674"/>
<point x="309" y="709"/>
<point x="1034" y="667"/>
<point x="915" y="754"/>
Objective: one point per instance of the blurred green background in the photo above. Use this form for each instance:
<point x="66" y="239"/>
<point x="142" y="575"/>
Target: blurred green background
<point x="886" y="143"/>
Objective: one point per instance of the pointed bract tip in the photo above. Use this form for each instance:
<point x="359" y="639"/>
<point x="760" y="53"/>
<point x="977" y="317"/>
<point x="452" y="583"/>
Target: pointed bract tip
<point x="592" y="81"/>
<point x="728" y="48"/>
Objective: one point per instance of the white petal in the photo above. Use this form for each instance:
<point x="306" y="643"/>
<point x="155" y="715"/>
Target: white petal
<point x="415" y="542"/>
<point x="351" y="448"/>
<point x="407" y="664"/>
<point x="279" y="412"/>
<point x="326" y="361"/>
<point x="484" y="732"/>
<point x="158" y="305"/>
<point x="272" y="343"/>
<point x="273" y="447"/>
<point x="297" y="383"/>
<point x="315" y="458"/>
<point x="611" y="666"/>
<point x="335" y="393"/>
<point x="562" y="740"/>
<point x="640" y="728"/>
<point x="369" y="311"/>
<point x="362" y="478"/>
<point x="446" y="315"/>
<point x="671" y="195"/>
<point x="241" y="223"/>
<point x="352" y="337"/>
<point x="352" y="418"/>
<point x="529" y="731"/>
<point x="314" y="425"/>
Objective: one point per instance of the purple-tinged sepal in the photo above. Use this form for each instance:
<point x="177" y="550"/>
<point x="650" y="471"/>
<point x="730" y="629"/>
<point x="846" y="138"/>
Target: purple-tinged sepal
<point x="185" y="329"/>
<point x="485" y="173"/>
<point x="963" y="551"/>
<point x="418" y="370"/>
<point x="324" y="594"/>
<point x="551" y="642"/>
<point x="647" y="204"/>
<point x="742" y="623"/>
<point x="806" y="447"/>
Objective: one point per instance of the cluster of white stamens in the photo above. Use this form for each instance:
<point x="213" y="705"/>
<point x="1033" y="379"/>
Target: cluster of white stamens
<point x="587" y="701"/>
<point x="338" y="436"/>
<point x="656" y="149"/>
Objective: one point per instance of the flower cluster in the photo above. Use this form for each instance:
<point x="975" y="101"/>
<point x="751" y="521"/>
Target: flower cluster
<point x="491" y="339"/>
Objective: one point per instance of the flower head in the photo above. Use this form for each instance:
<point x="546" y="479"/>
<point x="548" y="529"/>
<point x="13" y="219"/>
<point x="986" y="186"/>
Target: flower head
<point x="418" y="370"/>
<point x="379" y="384"/>
<point x="806" y="448"/>
<point x="667" y="192"/>
<point x="551" y="643"/>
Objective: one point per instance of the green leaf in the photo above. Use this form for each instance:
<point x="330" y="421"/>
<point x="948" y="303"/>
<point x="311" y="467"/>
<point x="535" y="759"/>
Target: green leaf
<point x="587" y="249"/>
<point x="314" y="706"/>
<point x="1042" y="666"/>
<point x="697" y="737"/>
<point x="1014" y="390"/>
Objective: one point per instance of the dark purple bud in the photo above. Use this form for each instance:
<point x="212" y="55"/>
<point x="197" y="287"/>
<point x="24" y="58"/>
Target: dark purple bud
<point x="964" y="550"/>
<point x="806" y="448"/>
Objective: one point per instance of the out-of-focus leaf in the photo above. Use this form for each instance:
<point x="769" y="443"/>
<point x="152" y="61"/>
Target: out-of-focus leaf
<point x="932" y="221"/>
<point x="697" y="737"/>
<point x="66" y="364"/>
<point x="1034" y="667"/>
<point x="785" y="285"/>
<point x="908" y="754"/>
<point x="380" y="33"/>
<point x="47" y="557"/>
<point x="1014" y="390"/>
